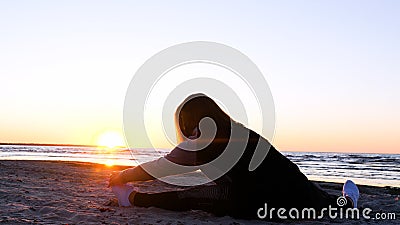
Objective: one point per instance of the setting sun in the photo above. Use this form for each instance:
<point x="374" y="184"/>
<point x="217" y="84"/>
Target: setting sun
<point x="109" y="163"/>
<point x="110" y="139"/>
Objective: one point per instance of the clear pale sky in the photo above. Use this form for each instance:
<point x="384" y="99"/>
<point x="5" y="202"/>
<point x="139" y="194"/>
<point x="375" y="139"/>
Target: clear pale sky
<point x="333" y="66"/>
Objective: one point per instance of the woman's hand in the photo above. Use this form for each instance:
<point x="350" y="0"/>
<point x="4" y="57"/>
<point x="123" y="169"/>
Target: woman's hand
<point x="129" y="175"/>
<point x="116" y="178"/>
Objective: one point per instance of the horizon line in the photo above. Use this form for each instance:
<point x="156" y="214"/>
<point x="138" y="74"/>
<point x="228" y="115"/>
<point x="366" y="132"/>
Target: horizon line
<point x="87" y="145"/>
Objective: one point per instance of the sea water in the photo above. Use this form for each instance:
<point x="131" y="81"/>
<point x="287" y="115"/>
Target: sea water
<point x="368" y="169"/>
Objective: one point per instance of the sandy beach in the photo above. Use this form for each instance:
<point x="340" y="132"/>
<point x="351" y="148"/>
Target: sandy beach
<point x="53" y="192"/>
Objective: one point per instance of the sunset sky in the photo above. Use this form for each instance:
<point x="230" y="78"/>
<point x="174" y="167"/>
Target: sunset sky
<point x="332" y="66"/>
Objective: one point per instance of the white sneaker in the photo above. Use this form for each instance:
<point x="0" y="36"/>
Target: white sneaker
<point x="350" y="190"/>
<point x="122" y="192"/>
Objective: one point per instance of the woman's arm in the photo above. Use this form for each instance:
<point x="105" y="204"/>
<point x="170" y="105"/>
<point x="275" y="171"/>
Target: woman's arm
<point x="161" y="167"/>
<point x="178" y="161"/>
<point x="136" y="173"/>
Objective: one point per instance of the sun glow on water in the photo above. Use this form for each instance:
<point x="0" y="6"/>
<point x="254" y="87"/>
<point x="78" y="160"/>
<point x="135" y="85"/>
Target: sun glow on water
<point x="110" y="139"/>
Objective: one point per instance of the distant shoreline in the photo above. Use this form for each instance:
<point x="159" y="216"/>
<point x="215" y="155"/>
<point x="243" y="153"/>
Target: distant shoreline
<point x="39" y="144"/>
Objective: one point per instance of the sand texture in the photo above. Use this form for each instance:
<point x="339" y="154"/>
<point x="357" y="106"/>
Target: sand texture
<point x="50" y="192"/>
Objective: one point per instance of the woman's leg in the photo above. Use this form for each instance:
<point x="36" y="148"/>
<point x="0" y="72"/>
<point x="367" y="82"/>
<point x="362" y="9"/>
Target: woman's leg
<point x="286" y="186"/>
<point x="214" y="199"/>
